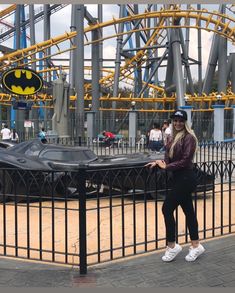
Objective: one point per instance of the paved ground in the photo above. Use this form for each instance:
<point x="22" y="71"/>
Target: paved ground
<point x="216" y="268"/>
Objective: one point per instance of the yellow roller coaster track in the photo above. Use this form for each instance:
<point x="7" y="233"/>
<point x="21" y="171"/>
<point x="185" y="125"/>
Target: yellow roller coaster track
<point x="7" y="10"/>
<point x="221" y="24"/>
<point x="198" y="103"/>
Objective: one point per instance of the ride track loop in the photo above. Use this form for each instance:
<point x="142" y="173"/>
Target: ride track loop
<point x="215" y="22"/>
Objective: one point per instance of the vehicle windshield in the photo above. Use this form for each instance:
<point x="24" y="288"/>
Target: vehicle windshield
<point x="66" y="155"/>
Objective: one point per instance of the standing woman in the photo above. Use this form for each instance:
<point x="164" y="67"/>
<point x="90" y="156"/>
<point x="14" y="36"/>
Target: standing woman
<point x="14" y="136"/>
<point x="155" y="138"/>
<point x="179" y="159"/>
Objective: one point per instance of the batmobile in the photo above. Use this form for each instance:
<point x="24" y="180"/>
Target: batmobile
<point x="6" y="144"/>
<point x="46" y="170"/>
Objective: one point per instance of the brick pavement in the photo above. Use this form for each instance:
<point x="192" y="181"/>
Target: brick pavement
<point x="216" y="268"/>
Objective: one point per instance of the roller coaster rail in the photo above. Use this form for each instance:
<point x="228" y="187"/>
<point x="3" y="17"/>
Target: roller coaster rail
<point x="220" y="24"/>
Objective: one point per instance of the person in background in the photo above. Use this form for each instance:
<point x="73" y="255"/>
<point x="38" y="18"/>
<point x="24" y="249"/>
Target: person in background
<point x="179" y="156"/>
<point x="108" y="138"/>
<point x="5" y="133"/>
<point x="42" y="135"/>
<point x="155" y="138"/>
<point x="147" y="139"/>
<point x="166" y="134"/>
<point x="14" y="136"/>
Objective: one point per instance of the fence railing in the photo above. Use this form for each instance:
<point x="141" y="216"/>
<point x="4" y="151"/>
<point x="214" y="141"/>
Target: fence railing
<point x="91" y="216"/>
<point x="207" y="150"/>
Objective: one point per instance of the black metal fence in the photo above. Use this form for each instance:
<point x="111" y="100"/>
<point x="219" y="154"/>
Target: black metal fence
<point x="207" y="150"/>
<point x="91" y="216"/>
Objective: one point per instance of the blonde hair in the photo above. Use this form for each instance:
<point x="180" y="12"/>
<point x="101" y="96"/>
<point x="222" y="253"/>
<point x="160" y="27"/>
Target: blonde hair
<point x="179" y="135"/>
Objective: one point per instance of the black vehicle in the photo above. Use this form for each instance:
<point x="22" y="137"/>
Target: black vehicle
<point x="39" y="169"/>
<point x="5" y="144"/>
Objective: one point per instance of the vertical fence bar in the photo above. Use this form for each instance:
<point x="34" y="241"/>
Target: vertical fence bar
<point x="123" y="219"/>
<point x="66" y="217"/>
<point x="111" y="216"/>
<point x="28" y="217"/>
<point x="145" y="218"/>
<point x="230" y="195"/>
<point x="40" y="222"/>
<point x="204" y="202"/>
<point x="98" y="224"/>
<point x="4" y="213"/>
<point x="134" y="219"/>
<point x="16" y="220"/>
<point x="156" y="209"/>
<point x="53" y="216"/>
<point x="213" y="199"/>
<point x="221" y="197"/>
<point x="82" y="219"/>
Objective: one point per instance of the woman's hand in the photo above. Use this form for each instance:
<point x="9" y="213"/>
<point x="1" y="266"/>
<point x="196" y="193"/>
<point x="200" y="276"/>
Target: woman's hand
<point x="151" y="164"/>
<point x="159" y="163"/>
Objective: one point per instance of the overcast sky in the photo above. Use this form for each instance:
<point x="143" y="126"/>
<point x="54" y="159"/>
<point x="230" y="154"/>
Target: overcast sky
<point x="60" y="23"/>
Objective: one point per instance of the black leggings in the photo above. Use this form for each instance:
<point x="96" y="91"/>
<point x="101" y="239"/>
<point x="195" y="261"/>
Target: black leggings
<point x="184" y="183"/>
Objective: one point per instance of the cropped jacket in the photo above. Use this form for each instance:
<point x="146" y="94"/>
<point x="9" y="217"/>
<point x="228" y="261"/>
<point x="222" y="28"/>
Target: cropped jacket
<point x="183" y="154"/>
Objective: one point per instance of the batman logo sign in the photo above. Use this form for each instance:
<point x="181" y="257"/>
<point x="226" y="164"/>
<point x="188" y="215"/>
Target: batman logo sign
<point x="22" y="81"/>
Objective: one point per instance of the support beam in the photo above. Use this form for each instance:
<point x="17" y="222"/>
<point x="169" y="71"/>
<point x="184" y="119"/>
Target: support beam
<point x="178" y="72"/>
<point x="79" y="69"/>
<point x="20" y="114"/>
<point x="95" y="80"/>
<point x="199" y="48"/>
<point x="218" y="122"/>
<point x="117" y="65"/>
<point x="233" y="73"/>
<point x="33" y="113"/>
<point x="132" y="128"/>
<point x="46" y="36"/>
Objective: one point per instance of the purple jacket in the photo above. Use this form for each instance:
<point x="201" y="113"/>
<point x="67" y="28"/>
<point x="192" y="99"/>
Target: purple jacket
<point x="183" y="154"/>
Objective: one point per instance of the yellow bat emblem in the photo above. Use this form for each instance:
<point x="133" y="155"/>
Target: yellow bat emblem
<point x="22" y="81"/>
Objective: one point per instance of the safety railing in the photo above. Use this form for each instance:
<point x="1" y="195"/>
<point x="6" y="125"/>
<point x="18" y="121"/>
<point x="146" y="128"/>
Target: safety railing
<point x="95" y="215"/>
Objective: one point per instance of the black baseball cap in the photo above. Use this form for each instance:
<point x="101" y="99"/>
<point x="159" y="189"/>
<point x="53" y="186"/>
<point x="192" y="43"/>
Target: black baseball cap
<point x="180" y="114"/>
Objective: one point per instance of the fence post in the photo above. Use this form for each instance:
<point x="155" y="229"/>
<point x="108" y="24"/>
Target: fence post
<point x="82" y="219"/>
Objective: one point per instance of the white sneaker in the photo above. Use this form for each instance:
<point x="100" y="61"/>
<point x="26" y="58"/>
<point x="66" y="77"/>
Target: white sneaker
<point x="194" y="253"/>
<point x="171" y="253"/>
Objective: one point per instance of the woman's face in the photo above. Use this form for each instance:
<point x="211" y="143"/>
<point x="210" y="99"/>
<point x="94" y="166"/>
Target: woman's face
<point x="179" y="124"/>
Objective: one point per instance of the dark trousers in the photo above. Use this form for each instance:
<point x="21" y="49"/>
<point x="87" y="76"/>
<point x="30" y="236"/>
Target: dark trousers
<point x="184" y="183"/>
<point x="155" y="145"/>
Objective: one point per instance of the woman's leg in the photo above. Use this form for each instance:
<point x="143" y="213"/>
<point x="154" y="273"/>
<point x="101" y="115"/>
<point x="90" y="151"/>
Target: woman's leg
<point x="191" y="219"/>
<point x="168" y="208"/>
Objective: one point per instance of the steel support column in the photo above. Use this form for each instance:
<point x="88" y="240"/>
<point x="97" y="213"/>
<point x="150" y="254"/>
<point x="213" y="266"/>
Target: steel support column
<point x="212" y="62"/>
<point x="46" y="36"/>
<point x="95" y="79"/>
<point x="20" y="114"/>
<point x="187" y="73"/>
<point x="233" y="73"/>
<point x="117" y="65"/>
<point x="178" y="73"/>
<point x="100" y="19"/>
<point x="33" y="113"/>
<point x="222" y="61"/>
<point x="79" y="71"/>
<point x="138" y="80"/>
<point x="199" y="46"/>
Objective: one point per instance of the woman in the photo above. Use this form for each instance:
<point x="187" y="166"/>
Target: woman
<point x="155" y="138"/>
<point x="179" y="159"/>
<point x="14" y="136"/>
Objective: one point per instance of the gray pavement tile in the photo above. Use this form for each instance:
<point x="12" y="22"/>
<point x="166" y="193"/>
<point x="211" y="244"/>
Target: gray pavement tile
<point x="230" y="284"/>
<point x="215" y="268"/>
<point x="228" y="277"/>
<point x="212" y="282"/>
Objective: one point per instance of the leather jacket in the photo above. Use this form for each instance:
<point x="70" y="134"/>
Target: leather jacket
<point x="183" y="154"/>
